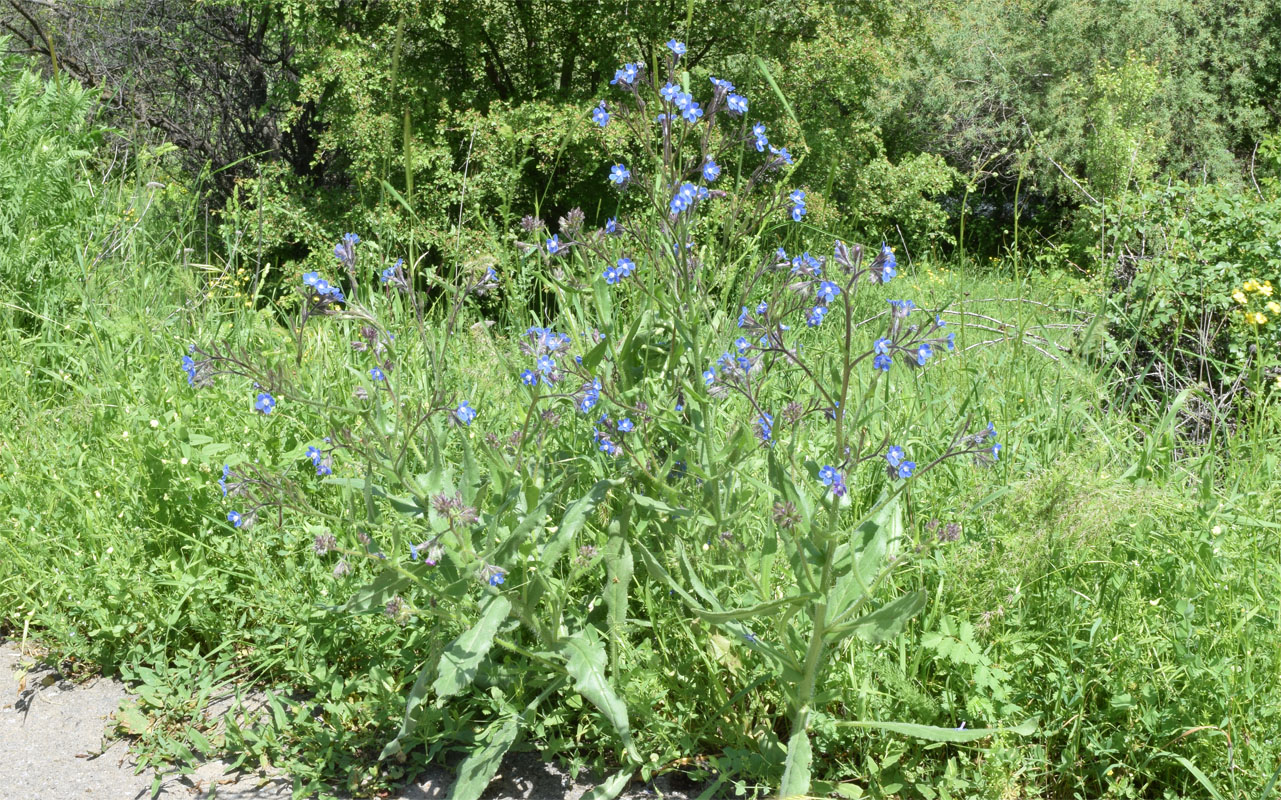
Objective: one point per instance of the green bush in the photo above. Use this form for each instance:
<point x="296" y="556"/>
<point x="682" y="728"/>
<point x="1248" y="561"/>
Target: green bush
<point x="1189" y="273"/>
<point x="46" y="136"/>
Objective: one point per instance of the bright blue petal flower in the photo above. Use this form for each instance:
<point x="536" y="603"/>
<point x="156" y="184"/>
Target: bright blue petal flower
<point x="894" y="455"/>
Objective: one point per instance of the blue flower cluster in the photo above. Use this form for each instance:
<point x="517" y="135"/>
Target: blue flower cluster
<point x="322" y="463"/>
<point x="798" y="205"/>
<point x="899" y="466"/>
<point x="831" y="477"/>
<point x="626" y="75"/>
<point x="189" y="367"/>
<point x="686" y="196"/>
<point x="323" y="289"/>
<point x="464" y="413"/>
<point x="345" y="251"/>
<point x="543" y="344"/>
<point x="623" y="269"/>
<point x="884" y="269"/>
<point x="758" y="131"/>
<point x="588" y="396"/>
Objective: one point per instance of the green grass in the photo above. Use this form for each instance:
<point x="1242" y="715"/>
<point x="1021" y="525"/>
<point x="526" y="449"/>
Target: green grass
<point x="1111" y="581"/>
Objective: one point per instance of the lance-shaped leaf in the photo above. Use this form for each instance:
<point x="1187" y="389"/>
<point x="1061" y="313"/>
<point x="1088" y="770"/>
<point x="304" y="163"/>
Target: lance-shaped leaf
<point x="585" y="662"/>
<point x="412" y="704"/>
<point x="480" y="765"/>
<point x="461" y="659"/>
<point x="884" y="623"/>
<point x="575" y="516"/>
<point x="796" y="769"/>
<point x="933" y="733"/>
<point x="373" y="597"/>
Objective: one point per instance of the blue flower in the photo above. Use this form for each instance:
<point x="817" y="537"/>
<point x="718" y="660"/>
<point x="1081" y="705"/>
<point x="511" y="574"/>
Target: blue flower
<point x="838" y="486"/>
<point x="709" y="376"/>
<point x="670" y="91"/>
<point x="626" y="75"/>
<point x="782" y="154"/>
<point x="235" y="518"/>
<point x="827" y="291"/>
<point x="678" y="48"/>
<point x="881" y="362"/>
<point x="815" y="317"/>
<point x="798" y="204"/>
<point x="923" y="353"/>
<point x="310" y="278"/>
<point x="377" y="374"/>
<point x="711" y="170"/>
<point x="762" y="308"/>
<point x="951" y="341"/>
<point x="465" y="413"/>
<point x="765" y="428"/>
<point x="498" y="578"/>
<point x="758" y="130"/>
<point x="315" y="455"/>
<point x="321" y="287"/>
<point x="599" y="115"/>
<point x="901" y="308"/>
<point x="189" y="367"/>
<point x="345" y="251"/>
<point x="827" y="474"/>
<point x="996" y="451"/>
<point x="692" y="111"/>
<point x="906" y="469"/>
<point x="610" y="275"/>
<point x="545" y="364"/>
<point x="529" y="378"/>
<point x="553" y="245"/>
<point x="882" y="346"/>
<point x="413" y="552"/>
<point x="736" y="103"/>
<point x="797" y="197"/>
<point x="894" y="455"/>
<point x="625" y="267"/>
<point x="265" y="403"/>
<point x="611" y="225"/>
<point x="721" y="85"/>
<point x="323" y="469"/>
<point x="619" y="174"/>
<point x="222" y="482"/>
<point x="625" y="425"/>
<point x="889" y="262"/>
<point x="742" y="344"/>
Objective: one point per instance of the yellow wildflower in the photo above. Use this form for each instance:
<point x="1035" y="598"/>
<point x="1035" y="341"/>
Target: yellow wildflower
<point x="1274" y="307"/>
<point x="1251" y="285"/>
<point x="1256" y="318"/>
<point x="1239" y="296"/>
<point x="1266" y="289"/>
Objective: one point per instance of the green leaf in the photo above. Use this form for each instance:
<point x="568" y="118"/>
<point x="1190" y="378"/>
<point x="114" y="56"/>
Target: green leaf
<point x="782" y="98"/>
<point x="885" y="622"/>
<point x="611" y="788"/>
<point x="410" y="722"/>
<point x="933" y="733"/>
<point x="372" y="598"/>
<point x="459" y="662"/>
<point x="796" y="769"/>
<point x="585" y="662"/>
<point x="478" y="769"/>
<point x="619" y="568"/>
<point x="575" y="516"/>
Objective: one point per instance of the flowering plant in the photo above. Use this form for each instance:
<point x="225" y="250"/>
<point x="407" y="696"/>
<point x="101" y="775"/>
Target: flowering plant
<point x="658" y="399"/>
